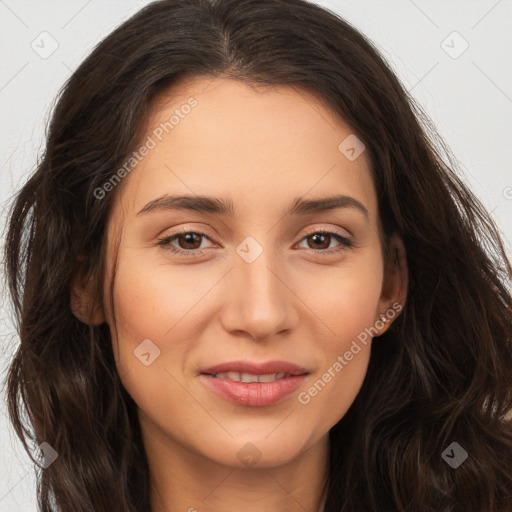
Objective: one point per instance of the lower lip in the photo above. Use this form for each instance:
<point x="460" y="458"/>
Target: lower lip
<point x="253" y="394"/>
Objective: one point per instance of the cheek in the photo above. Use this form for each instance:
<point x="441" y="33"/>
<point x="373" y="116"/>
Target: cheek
<point x="153" y="299"/>
<point x="149" y="303"/>
<point x="348" y="306"/>
<point x="332" y="389"/>
<point x="160" y="303"/>
<point x="347" y="298"/>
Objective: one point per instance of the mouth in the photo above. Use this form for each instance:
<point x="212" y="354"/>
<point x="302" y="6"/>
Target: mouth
<point x="254" y="384"/>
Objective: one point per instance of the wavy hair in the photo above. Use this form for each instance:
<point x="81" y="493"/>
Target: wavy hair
<point x="441" y="373"/>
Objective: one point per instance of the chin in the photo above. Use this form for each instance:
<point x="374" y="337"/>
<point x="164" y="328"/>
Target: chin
<point x="261" y="451"/>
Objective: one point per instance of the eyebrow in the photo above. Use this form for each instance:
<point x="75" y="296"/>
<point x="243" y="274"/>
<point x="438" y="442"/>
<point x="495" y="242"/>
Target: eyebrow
<point x="219" y="206"/>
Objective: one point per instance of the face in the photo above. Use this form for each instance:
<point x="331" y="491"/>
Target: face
<point x="275" y="288"/>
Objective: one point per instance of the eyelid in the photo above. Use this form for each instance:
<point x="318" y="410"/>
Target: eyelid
<point x="328" y="229"/>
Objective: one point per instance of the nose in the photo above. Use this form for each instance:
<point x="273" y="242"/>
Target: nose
<point x="257" y="299"/>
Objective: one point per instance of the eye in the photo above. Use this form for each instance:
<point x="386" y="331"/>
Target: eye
<point x="321" y="240"/>
<point x="189" y="242"/>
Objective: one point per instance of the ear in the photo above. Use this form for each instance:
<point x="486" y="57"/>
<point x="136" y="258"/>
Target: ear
<point x="394" y="285"/>
<point x="85" y="303"/>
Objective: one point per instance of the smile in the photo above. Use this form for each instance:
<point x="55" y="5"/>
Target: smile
<point x="253" y="384"/>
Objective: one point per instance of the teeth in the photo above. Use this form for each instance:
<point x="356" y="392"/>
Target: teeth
<point x="248" y="377"/>
<point x="267" y="378"/>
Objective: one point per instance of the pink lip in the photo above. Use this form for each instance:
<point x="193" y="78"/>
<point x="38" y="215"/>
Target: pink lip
<point x="254" y="394"/>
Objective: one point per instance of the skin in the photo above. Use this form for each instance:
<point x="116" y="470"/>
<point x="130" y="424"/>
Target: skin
<point x="262" y="148"/>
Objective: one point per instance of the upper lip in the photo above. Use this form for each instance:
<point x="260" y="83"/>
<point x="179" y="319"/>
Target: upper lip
<point x="255" y="368"/>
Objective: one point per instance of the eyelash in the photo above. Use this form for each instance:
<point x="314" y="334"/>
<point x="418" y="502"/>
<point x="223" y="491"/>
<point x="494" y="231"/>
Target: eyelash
<point x="345" y="243"/>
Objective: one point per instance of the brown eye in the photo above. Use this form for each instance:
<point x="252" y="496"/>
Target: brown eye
<point x="187" y="243"/>
<point x="318" y="242"/>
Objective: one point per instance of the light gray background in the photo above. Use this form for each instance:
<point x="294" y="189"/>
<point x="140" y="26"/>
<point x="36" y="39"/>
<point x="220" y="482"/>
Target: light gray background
<point x="469" y="99"/>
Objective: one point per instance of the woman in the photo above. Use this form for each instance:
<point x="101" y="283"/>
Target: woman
<point x="245" y="278"/>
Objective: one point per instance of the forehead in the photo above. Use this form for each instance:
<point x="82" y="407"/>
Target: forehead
<point x="258" y="145"/>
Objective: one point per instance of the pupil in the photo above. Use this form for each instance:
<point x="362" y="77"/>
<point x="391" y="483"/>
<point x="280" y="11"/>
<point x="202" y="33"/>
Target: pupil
<point x="189" y="239"/>
<point x="317" y="235"/>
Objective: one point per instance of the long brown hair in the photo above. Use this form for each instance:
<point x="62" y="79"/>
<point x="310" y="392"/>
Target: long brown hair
<point x="441" y="374"/>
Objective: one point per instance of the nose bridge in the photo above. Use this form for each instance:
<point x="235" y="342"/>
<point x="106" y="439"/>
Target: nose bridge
<point x="259" y="298"/>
